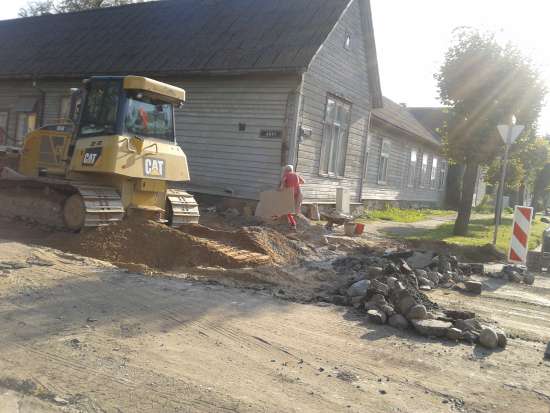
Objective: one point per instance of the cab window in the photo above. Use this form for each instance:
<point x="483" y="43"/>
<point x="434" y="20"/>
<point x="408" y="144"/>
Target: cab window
<point x="149" y="117"/>
<point x="99" y="114"/>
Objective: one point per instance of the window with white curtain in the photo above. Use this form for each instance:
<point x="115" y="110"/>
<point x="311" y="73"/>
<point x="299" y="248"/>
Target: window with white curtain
<point x="433" y="173"/>
<point x="335" y="137"/>
<point x="383" y="164"/>
<point x="413" y="164"/>
<point x="424" y="170"/>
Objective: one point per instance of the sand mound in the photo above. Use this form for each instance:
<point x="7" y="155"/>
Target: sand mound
<point x="147" y="243"/>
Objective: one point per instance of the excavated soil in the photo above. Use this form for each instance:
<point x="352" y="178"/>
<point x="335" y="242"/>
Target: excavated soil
<point x="147" y="244"/>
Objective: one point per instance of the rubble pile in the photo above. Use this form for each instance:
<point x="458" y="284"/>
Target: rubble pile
<point x="515" y="273"/>
<point x="391" y="288"/>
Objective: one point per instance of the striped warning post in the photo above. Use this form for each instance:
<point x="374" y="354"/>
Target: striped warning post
<point x="519" y="244"/>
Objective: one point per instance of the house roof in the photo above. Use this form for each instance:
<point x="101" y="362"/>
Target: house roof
<point x="400" y="117"/>
<point x="432" y="118"/>
<point x="173" y="37"/>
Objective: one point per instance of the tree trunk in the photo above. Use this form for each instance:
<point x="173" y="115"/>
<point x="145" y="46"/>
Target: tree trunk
<point x="521" y="195"/>
<point x="465" y="206"/>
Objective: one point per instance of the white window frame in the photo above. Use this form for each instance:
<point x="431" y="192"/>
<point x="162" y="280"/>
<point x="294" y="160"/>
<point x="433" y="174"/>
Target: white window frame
<point x="384" y="161"/>
<point x="413" y="167"/>
<point x="334" y="146"/>
<point x="424" y="169"/>
<point x="433" y="172"/>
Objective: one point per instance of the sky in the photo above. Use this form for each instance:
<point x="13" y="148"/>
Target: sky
<point x="412" y="37"/>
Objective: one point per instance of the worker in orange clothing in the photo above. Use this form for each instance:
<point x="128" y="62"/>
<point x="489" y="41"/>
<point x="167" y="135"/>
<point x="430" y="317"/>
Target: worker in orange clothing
<point x="291" y="180"/>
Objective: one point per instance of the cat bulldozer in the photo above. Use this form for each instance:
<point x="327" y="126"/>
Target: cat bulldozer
<point x="116" y="157"/>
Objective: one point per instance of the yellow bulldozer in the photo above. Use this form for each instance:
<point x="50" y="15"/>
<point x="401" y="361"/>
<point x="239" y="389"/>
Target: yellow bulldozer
<point x="116" y="157"/>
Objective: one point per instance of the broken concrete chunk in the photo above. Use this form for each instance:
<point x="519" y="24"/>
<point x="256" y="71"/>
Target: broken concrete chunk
<point x="488" y="338"/>
<point x="477" y="268"/>
<point x="529" y="278"/>
<point x="425" y="288"/>
<point x="405" y="268"/>
<point x="13" y="265"/>
<point x="340" y="300"/>
<point x="454" y="334"/>
<point x="420" y="259"/>
<point x="468" y="325"/>
<point x="390" y="281"/>
<point x="502" y="339"/>
<point x="374" y="272"/>
<point x="417" y="312"/>
<point x="405" y="302"/>
<point x="459" y="314"/>
<point x="387" y="309"/>
<point x="359" y="288"/>
<point x="474" y="287"/>
<point x="357" y="301"/>
<point x="398" y="321"/>
<point x="431" y="328"/>
<point x="376" y="316"/>
<point x="379" y="287"/>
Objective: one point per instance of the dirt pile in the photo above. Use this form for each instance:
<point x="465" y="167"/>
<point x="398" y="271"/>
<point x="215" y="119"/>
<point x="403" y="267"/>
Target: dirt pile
<point x="390" y="289"/>
<point x="163" y="248"/>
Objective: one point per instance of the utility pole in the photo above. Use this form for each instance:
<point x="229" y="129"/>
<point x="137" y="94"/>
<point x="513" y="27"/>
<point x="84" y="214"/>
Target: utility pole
<point x="509" y="134"/>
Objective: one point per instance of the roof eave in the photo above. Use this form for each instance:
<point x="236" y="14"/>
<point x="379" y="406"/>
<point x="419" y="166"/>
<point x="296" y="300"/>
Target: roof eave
<point x="407" y="132"/>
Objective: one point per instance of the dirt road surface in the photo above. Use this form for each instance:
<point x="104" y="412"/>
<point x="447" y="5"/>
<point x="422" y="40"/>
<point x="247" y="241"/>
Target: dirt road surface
<point x="82" y="336"/>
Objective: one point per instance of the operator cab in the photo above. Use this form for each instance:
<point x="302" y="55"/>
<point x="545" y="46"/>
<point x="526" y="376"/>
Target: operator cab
<point x="130" y="106"/>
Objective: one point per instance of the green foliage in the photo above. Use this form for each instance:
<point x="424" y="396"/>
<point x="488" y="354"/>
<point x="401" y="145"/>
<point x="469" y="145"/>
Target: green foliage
<point x="484" y="83"/>
<point x="481" y="233"/>
<point x="487" y="205"/>
<point x="406" y="215"/>
<point x="40" y="7"/>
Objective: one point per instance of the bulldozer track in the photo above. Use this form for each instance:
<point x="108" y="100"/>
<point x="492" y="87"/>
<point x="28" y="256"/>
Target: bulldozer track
<point x="43" y="201"/>
<point x="184" y="208"/>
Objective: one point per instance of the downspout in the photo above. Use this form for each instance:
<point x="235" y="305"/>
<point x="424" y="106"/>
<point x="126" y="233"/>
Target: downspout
<point x="295" y="138"/>
<point x="365" y="160"/>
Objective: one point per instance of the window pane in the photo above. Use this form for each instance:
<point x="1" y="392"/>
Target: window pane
<point x="99" y="114"/>
<point x="147" y="117"/>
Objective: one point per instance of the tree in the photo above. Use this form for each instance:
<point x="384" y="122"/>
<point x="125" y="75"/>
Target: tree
<point x="484" y="84"/>
<point x="41" y="7"/>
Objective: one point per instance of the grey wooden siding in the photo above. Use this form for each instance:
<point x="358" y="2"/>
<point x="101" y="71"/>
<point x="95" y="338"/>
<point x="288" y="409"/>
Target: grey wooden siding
<point x="222" y="159"/>
<point x="396" y="187"/>
<point x="342" y="73"/>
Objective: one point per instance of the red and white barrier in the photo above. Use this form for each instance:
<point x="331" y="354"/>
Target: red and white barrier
<point x="519" y="244"/>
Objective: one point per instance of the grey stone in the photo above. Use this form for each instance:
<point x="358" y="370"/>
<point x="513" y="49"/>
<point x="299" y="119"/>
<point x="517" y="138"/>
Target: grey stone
<point x="515" y="276"/>
<point x="425" y="288"/>
<point x="502" y="339"/>
<point x="359" y="288"/>
<point x="468" y="325"/>
<point x="369" y="305"/>
<point x="398" y="321"/>
<point x="357" y="301"/>
<point x="377" y="316"/>
<point x="340" y="300"/>
<point x="459" y="314"/>
<point x="379" y="287"/>
<point x="405" y="268"/>
<point x="473" y="286"/>
<point x="374" y="272"/>
<point x="434" y="277"/>
<point x="431" y="328"/>
<point x="424" y="281"/>
<point x="390" y="281"/>
<point x="405" y="302"/>
<point x="420" y="259"/>
<point x="421" y="273"/>
<point x="378" y="299"/>
<point x="476" y="268"/>
<point x="547" y="352"/>
<point x="488" y="338"/>
<point x="417" y="312"/>
<point x="529" y="278"/>
<point x="387" y="309"/>
<point x="454" y="334"/>
<point x="413" y="280"/>
<point x="470" y="336"/>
